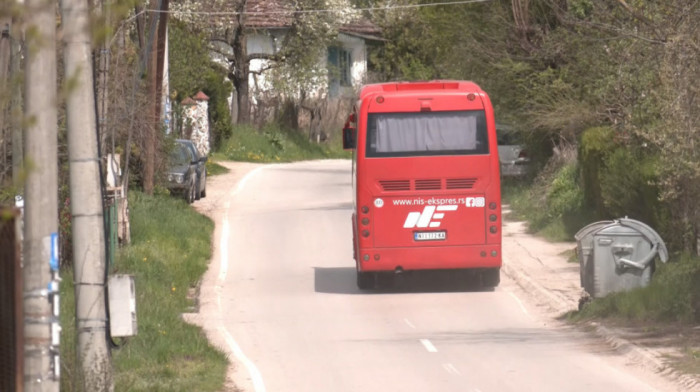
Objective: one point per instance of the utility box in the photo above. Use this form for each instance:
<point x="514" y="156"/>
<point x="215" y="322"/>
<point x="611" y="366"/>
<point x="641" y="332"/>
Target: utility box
<point x="122" y="306"/>
<point x="617" y="255"/>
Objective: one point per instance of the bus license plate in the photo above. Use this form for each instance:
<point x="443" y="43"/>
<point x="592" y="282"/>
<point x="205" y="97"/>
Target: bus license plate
<point x="430" y="235"/>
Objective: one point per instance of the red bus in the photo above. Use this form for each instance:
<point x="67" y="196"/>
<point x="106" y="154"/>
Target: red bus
<point x="426" y="182"/>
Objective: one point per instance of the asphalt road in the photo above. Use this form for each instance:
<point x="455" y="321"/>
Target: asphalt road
<point x="280" y="297"/>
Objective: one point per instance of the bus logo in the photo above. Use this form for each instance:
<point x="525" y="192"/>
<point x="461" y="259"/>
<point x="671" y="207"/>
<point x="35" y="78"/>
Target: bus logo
<point x="476" y="202"/>
<point x="428" y="218"/>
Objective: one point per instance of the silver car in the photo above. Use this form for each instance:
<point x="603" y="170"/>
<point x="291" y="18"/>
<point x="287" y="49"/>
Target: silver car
<point x="511" y="152"/>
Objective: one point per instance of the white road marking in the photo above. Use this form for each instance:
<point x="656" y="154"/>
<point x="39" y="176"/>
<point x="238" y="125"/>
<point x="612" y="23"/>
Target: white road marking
<point x="428" y="346"/>
<point x="450" y="368"/>
<point x="225" y="229"/>
<point x="255" y="375"/>
<point x="410" y="324"/>
<point x="522" y="307"/>
<point x="223" y="246"/>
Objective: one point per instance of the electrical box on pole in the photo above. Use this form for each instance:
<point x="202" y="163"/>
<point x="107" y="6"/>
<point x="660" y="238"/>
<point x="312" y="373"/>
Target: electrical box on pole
<point x="122" y="306"/>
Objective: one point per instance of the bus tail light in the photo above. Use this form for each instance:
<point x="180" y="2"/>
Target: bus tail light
<point x="493" y="229"/>
<point x="365" y="221"/>
<point x="365" y="257"/>
<point x="365" y="209"/>
<point x="493" y="205"/>
<point x="365" y="233"/>
<point x="493" y="217"/>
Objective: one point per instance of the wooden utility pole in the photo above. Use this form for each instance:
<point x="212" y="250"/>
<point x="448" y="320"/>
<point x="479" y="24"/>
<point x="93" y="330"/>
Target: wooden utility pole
<point x="151" y="131"/>
<point x="102" y="90"/>
<point x="41" y="365"/>
<point x="16" y="105"/>
<point x="155" y="60"/>
<point x="89" y="261"/>
<point x="160" y="60"/>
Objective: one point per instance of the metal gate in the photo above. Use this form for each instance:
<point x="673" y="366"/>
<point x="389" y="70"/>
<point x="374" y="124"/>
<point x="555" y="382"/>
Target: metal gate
<point x="11" y="337"/>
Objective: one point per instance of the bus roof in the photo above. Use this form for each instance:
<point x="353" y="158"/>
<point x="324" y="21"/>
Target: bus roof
<point x="435" y="85"/>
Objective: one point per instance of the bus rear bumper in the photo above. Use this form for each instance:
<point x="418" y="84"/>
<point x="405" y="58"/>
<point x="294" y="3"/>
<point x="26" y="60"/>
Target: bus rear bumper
<point x="429" y="258"/>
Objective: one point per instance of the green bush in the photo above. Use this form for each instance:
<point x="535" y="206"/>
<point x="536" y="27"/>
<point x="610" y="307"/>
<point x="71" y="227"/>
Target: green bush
<point x="628" y="188"/>
<point x="621" y="181"/>
<point x="553" y="205"/>
<point x="595" y="145"/>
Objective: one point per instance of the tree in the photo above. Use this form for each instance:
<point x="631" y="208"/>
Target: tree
<point x="299" y="50"/>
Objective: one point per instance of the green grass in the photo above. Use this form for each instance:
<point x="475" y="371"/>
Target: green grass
<point x="673" y="296"/>
<point x="272" y="144"/>
<point x="170" y="249"/>
<point x="214" y="169"/>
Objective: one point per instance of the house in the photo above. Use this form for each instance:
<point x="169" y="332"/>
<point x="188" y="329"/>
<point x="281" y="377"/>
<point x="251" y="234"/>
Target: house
<point x="267" y="23"/>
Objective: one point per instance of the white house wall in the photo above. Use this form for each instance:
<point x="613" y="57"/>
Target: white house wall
<point x="264" y="43"/>
<point x="261" y="43"/>
<point x="358" y="51"/>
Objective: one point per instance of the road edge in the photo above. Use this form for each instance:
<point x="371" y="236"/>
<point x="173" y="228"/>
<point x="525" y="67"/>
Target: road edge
<point x="639" y="355"/>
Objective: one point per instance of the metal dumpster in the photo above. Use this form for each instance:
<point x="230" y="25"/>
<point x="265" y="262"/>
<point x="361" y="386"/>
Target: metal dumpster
<point x="617" y="255"/>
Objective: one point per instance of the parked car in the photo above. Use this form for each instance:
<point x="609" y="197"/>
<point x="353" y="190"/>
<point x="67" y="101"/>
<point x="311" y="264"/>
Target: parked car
<point x="201" y="187"/>
<point x="182" y="172"/>
<point x="511" y="152"/>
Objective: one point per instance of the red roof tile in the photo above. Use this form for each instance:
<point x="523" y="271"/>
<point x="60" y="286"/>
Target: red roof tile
<point x="200" y="96"/>
<point x="271" y="14"/>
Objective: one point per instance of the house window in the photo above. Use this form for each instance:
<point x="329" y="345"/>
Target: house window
<point x="340" y="65"/>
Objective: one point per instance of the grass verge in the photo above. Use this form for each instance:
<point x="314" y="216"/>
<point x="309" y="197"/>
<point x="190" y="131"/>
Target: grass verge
<point x="214" y="169"/>
<point x="273" y="144"/>
<point x="673" y="296"/>
<point x="170" y="249"/>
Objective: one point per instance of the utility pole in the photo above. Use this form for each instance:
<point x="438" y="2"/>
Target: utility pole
<point x="41" y="329"/>
<point x="89" y="261"/>
<point x="102" y="61"/>
<point x="16" y="103"/>
<point x="151" y="132"/>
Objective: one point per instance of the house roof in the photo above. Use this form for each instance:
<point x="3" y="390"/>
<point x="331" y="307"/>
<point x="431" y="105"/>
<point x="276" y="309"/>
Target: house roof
<point x="268" y="14"/>
<point x="279" y="14"/>
<point x="200" y="96"/>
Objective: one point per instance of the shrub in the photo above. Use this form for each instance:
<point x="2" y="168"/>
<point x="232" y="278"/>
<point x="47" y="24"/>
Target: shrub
<point x="621" y="181"/>
<point x="554" y="204"/>
<point x="595" y="145"/>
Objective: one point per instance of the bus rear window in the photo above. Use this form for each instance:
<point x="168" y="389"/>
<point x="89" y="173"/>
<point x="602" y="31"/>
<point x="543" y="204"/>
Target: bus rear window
<point x="426" y="133"/>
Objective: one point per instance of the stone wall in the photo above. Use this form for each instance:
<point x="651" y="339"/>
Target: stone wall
<point x="196" y="122"/>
